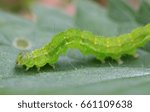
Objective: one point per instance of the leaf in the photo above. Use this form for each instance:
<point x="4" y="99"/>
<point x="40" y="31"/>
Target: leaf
<point x="52" y="20"/>
<point x="126" y="18"/>
<point x="92" y="17"/>
<point x="123" y="15"/>
<point x="119" y="11"/>
<point x="71" y="76"/>
<point x="143" y="15"/>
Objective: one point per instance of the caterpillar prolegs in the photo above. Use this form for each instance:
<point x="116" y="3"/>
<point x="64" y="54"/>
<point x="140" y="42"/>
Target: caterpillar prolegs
<point x="88" y="43"/>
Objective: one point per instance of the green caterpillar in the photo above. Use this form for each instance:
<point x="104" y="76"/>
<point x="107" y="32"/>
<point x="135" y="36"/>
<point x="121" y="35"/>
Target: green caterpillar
<point x="87" y="43"/>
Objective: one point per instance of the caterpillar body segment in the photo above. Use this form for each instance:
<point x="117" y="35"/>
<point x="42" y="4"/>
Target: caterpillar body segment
<point x="88" y="43"/>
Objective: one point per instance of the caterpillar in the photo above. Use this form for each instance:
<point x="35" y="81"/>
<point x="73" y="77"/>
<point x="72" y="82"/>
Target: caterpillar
<point x="88" y="43"/>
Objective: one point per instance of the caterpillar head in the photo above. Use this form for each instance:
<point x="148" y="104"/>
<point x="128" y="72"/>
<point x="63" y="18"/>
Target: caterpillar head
<point x="21" y="58"/>
<point x="24" y="58"/>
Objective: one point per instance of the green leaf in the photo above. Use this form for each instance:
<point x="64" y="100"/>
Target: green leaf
<point x="84" y="75"/>
<point x="123" y="15"/>
<point x="90" y="16"/>
<point x="143" y="15"/>
<point x="120" y="11"/>
<point x="52" y="20"/>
